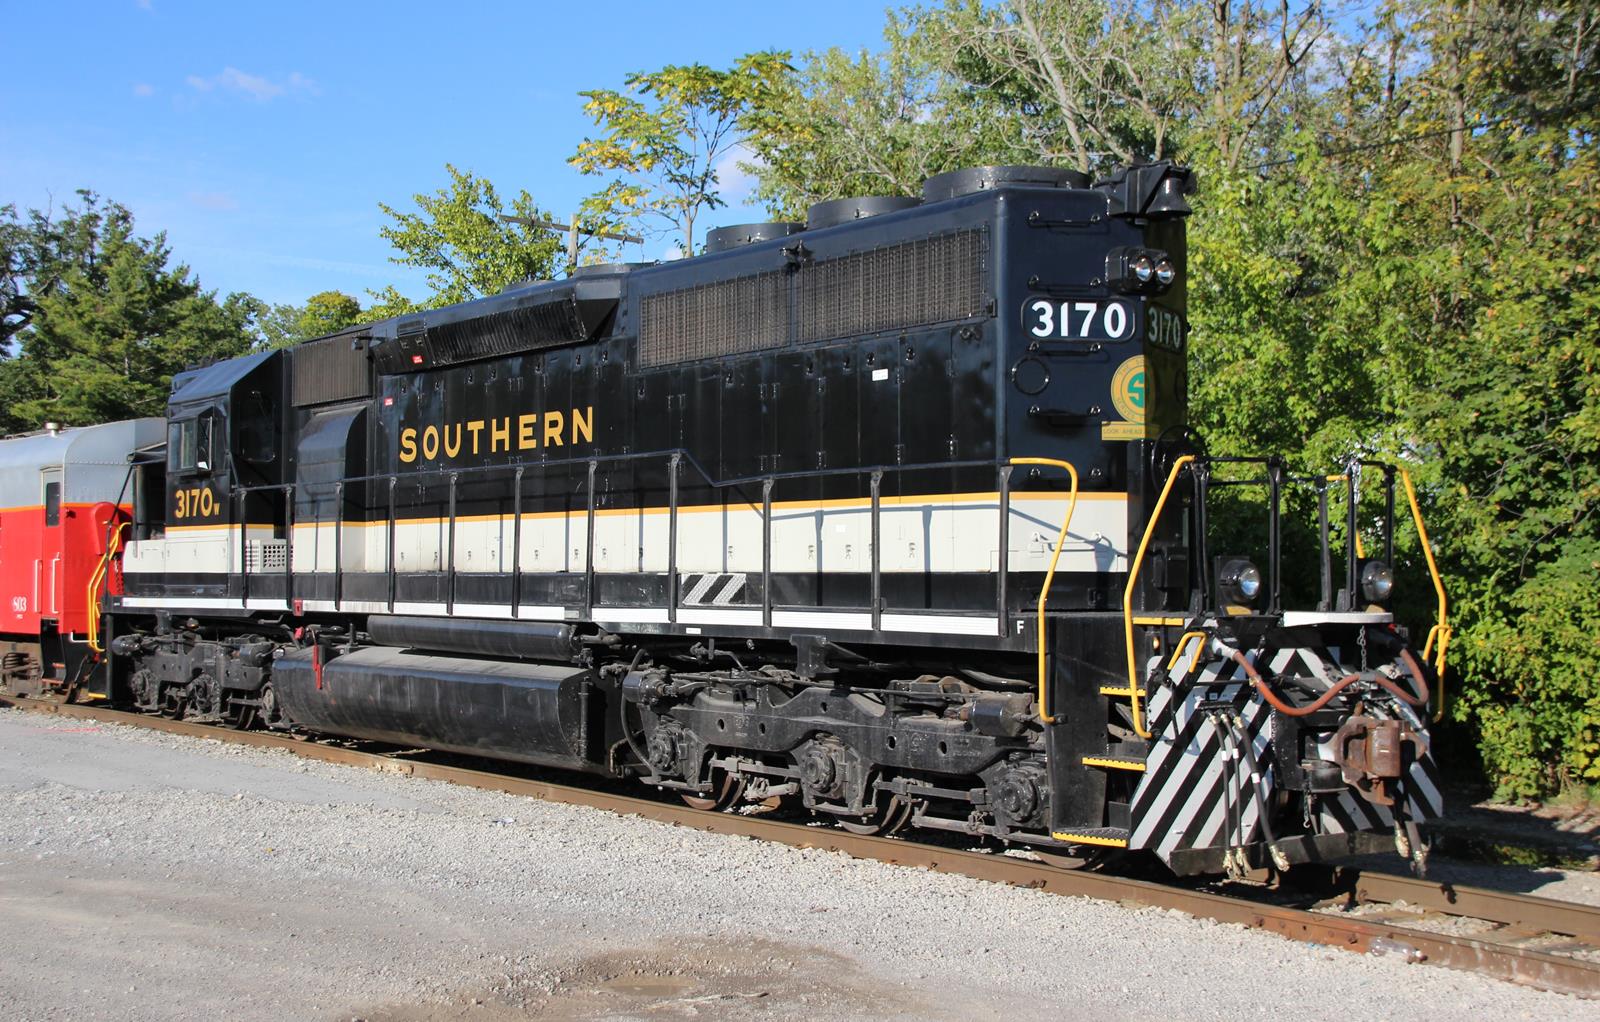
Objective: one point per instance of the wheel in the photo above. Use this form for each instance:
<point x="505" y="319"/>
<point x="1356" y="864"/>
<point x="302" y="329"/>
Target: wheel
<point x="172" y="704"/>
<point x="1079" y="858"/>
<point x="887" y="821"/>
<point x="728" y="795"/>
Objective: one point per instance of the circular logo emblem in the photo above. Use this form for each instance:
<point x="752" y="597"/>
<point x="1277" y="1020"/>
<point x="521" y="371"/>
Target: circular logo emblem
<point x="1128" y="390"/>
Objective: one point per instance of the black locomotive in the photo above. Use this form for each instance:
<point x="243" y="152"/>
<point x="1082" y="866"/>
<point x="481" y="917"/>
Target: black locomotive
<point x="893" y="513"/>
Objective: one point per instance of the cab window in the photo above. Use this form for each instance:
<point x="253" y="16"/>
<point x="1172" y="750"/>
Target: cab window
<point x="189" y="446"/>
<point x="52" y="503"/>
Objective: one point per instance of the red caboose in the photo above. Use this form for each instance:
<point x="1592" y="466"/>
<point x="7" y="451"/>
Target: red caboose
<point x="66" y="498"/>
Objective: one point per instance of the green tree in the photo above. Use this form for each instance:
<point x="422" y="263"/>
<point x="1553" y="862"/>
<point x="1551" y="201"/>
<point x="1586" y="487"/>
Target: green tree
<point x="323" y="313"/>
<point x="458" y="236"/>
<point x="1393" y="254"/>
<point x="845" y="124"/>
<point x="111" y="321"/>
<point x="668" y="147"/>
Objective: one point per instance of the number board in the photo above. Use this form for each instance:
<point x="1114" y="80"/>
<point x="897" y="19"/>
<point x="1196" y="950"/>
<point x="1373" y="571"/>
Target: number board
<point x="192" y="502"/>
<point x="1079" y="319"/>
<point x="1166" y="329"/>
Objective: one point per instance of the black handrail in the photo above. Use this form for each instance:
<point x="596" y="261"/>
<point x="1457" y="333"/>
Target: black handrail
<point x="676" y="457"/>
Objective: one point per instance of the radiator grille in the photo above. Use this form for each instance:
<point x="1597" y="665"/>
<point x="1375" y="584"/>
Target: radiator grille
<point x="894" y="287"/>
<point x="333" y="369"/>
<point x="726" y="318"/>
<point x="931" y="280"/>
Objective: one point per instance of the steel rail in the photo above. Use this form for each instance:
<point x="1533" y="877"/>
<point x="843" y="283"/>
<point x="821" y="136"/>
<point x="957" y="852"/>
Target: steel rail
<point x="1351" y="933"/>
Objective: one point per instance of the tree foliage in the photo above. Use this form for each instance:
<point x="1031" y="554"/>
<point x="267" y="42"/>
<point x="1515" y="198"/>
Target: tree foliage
<point x="457" y="235"/>
<point x="667" y="138"/>
<point x="104" y="321"/>
<point x="323" y="313"/>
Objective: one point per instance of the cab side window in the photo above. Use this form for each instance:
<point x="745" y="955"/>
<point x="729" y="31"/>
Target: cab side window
<point x="181" y="444"/>
<point x="189" y="446"/>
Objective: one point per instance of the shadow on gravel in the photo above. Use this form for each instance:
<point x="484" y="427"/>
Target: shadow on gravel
<point x="754" y="979"/>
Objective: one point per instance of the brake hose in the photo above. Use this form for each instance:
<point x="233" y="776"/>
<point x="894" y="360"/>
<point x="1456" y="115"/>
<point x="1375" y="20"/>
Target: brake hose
<point x="1339" y="686"/>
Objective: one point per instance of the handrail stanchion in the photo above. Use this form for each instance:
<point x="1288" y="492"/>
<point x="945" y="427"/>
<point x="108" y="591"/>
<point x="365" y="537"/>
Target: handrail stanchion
<point x="338" y="545"/>
<point x="588" y="548"/>
<point x="450" y="548"/>
<point x="394" y="573"/>
<point x="1275" y="537"/>
<point x="1050" y="577"/>
<point x="1388" y="515"/>
<point x="1325" y="551"/>
<point x="240" y="503"/>
<point x="877" y="559"/>
<point x="516" y="542"/>
<point x="672" y="538"/>
<point x="1441" y="628"/>
<point x="1352" y="549"/>
<point x="288" y="547"/>
<point x="1004" y="567"/>
<point x="1134" y="687"/>
<point x="766" y="552"/>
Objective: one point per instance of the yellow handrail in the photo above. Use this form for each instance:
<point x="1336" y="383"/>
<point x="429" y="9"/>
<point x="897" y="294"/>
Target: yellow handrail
<point x="1127" y="594"/>
<point x="1183" y="640"/>
<point x="1441" y="628"/>
<point x="1049" y="576"/>
<point x="92" y="607"/>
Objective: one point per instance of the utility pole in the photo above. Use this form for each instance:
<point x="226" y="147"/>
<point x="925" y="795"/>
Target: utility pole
<point x="572" y="230"/>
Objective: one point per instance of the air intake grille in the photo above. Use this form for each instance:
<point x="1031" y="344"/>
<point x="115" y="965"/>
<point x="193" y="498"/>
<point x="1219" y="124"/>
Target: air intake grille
<point x="503" y="333"/>
<point x="725" y="318"/>
<point x="334" y="369"/>
<point x="916" y="283"/>
<point x="932" y="280"/>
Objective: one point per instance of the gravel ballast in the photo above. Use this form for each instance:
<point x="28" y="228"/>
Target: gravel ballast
<point x="152" y="876"/>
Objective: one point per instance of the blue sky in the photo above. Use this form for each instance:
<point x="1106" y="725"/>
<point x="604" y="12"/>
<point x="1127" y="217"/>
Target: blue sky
<point x="261" y="136"/>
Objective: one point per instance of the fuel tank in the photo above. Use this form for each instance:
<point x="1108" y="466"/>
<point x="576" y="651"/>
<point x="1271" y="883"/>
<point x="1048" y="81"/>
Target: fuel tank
<point x="548" y="714"/>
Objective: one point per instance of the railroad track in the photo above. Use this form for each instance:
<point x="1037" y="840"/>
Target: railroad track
<point x="1518" y="938"/>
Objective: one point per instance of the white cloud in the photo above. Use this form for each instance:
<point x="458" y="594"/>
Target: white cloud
<point x="735" y="183"/>
<point x="143" y="89"/>
<point x="256" y="87"/>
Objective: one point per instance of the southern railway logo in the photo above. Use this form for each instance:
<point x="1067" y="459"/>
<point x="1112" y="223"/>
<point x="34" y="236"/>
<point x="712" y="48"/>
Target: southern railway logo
<point x="1128" y="389"/>
<point x="500" y="435"/>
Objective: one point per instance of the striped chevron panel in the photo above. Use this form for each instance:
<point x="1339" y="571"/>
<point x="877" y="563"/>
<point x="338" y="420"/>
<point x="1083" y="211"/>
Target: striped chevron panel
<point x="1190" y="787"/>
<point x="714" y="589"/>
<point x="1184" y="797"/>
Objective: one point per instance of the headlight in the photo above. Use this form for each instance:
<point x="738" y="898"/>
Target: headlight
<point x="1166" y="273"/>
<point x="1143" y="269"/>
<point x="1377" y="581"/>
<point x="1241" y="581"/>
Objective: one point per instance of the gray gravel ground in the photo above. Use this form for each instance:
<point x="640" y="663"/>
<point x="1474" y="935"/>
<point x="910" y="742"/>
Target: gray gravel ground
<point x="148" y="876"/>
